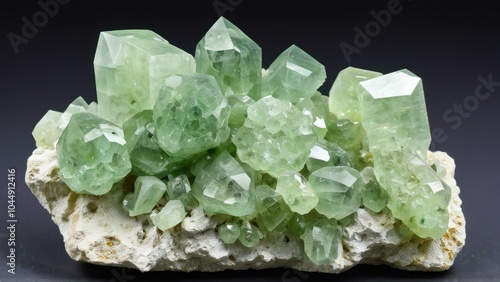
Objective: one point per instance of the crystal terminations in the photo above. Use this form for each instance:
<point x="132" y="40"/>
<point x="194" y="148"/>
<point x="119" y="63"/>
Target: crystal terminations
<point x="257" y="156"/>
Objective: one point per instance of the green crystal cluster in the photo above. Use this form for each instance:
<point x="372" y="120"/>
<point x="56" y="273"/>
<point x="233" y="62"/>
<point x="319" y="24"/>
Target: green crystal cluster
<point x="261" y="150"/>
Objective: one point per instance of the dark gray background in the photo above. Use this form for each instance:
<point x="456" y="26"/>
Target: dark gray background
<point x="449" y="45"/>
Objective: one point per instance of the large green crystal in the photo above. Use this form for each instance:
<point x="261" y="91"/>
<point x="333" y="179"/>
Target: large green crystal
<point x="322" y="240"/>
<point x="191" y="115"/>
<point x="297" y="193"/>
<point x="232" y="58"/>
<point x="170" y="215"/>
<point x="274" y="214"/>
<point x="293" y="75"/>
<point x="393" y="113"/>
<point x="417" y="195"/>
<point x="129" y="68"/>
<point x="224" y="186"/>
<point x="92" y="154"/>
<point x="276" y="137"/>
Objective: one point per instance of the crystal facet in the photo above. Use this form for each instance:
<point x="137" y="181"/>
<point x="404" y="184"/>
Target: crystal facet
<point x="170" y="215"/>
<point x="322" y="240"/>
<point x="46" y="131"/>
<point x="297" y="193"/>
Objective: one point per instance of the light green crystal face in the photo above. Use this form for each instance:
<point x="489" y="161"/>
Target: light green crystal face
<point x="179" y="188"/>
<point x="297" y="193"/>
<point x="146" y="156"/>
<point x="92" y="154"/>
<point x="293" y="75"/>
<point x="394" y="114"/>
<point x="77" y="106"/>
<point x="225" y="187"/>
<point x="170" y="215"/>
<point x="250" y="235"/>
<point x="322" y="241"/>
<point x="344" y="93"/>
<point x="338" y="190"/>
<point x="129" y="67"/>
<point x="191" y="115"/>
<point x="148" y="190"/>
<point x="46" y="131"/>
<point x="373" y="196"/>
<point x="417" y="195"/>
<point x="275" y="138"/>
<point x="316" y="108"/>
<point x="232" y="58"/>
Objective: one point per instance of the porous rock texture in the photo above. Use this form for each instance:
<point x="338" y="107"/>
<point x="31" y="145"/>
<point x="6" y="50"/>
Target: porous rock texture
<point x="96" y="229"/>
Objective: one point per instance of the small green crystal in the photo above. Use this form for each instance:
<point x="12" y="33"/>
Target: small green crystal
<point x="148" y="190"/>
<point x="338" y="190"/>
<point x="293" y="75"/>
<point x="275" y="138"/>
<point x="373" y="196"/>
<point x="232" y="58"/>
<point x="229" y="232"/>
<point x="179" y="188"/>
<point x="325" y="153"/>
<point x="224" y="186"/>
<point x="170" y="215"/>
<point x="77" y="106"/>
<point x="316" y="108"/>
<point x="346" y="134"/>
<point x="129" y="68"/>
<point x="297" y="192"/>
<point x="250" y="235"/>
<point x="191" y="115"/>
<point x="46" y="131"/>
<point x="92" y="154"/>
<point x="322" y="240"/>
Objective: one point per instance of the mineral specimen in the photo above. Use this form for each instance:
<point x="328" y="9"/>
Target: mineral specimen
<point x="241" y="167"/>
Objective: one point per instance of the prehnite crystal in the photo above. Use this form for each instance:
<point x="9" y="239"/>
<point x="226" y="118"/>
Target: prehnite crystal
<point x="262" y="151"/>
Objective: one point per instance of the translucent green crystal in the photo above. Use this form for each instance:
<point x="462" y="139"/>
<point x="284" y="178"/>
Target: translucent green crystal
<point x="129" y="68"/>
<point x="229" y="232"/>
<point x="325" y="153"/>
<point x="250" y="235"/>
<point x="230" y="56"/>
<point x="46" y="131"/>
<point x="274" y="214"/>
<point x="148" y="190"/>
<point x="293" y="75"/>
<point x="373" y="196"/>
<point x="338" y="190"/>
<point x="316" y="108"/>
<point x="191" y="115"/>
<point x="297" y="192"/>
<point x="92" y="154"/>
<point x="170" y="215"/>
<point x="344" y="93"/>
<point x="346" y="134"/>
<point x="417" y="196"/>
<point x="394" y="114"/>
<point x="179" y="188"/>
<point x="224" y="186"/>
<point x="322" y="240"/>
<point x="275" y="138"/>
<point x="146" y="156"/>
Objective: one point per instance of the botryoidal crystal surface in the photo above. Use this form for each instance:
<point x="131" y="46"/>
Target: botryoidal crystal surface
<point x="212" y="162"/>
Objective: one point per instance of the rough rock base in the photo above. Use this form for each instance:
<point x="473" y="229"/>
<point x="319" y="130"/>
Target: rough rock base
<point x="99" y="231"/>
